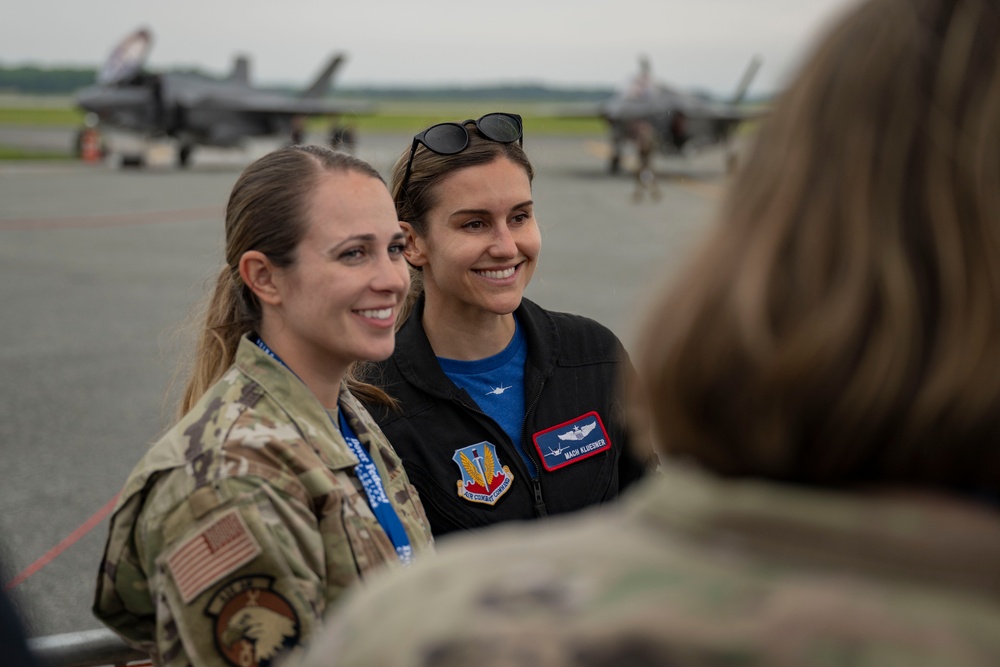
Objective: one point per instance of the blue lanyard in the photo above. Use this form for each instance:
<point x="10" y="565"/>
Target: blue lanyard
<point x="377" y="499"/>
<point x="371" y="481"/>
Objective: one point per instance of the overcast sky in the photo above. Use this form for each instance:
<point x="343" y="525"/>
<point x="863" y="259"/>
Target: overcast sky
<point x="692" y="43"/>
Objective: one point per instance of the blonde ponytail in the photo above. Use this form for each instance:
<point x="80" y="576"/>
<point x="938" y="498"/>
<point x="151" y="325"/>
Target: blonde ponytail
<point x="226" y="320"/>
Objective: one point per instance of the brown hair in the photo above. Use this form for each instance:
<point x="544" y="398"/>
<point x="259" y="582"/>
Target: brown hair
<point x="841" y="324"/>
<point x="266" y="212"/>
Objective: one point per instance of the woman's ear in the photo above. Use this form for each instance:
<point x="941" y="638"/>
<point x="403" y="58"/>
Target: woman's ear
<point x="414" y="250"/>
<point x="259" y="275"/>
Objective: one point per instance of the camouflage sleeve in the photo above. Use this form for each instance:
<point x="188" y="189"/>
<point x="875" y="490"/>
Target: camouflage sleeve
<point x="235" y="570"/>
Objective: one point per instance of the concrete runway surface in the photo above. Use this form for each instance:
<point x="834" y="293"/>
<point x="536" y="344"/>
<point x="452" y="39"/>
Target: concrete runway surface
<point x="101" y="267"/>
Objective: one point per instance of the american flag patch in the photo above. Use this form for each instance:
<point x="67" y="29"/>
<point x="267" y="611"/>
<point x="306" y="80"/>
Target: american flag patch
<point x="212" y="554"/>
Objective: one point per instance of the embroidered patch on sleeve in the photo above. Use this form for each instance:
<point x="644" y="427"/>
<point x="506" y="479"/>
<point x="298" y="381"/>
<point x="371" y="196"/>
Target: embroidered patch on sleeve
<point x="253" y="622"/>
<point x="571" y="441"/>
<point x="225" y="545"/>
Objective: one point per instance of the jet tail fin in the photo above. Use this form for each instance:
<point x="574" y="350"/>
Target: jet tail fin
<point x="322" y="83"/>
<point x="241" y="71"/>
<point x="744" y="84"/>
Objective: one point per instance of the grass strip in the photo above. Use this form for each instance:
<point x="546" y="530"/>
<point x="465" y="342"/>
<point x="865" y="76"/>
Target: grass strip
<point x="15" y="153"/>
<point x="41" y="116"/>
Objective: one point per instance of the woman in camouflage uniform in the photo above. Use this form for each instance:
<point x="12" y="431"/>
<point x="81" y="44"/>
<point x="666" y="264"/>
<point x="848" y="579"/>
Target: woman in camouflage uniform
<point x="276" y="490"/>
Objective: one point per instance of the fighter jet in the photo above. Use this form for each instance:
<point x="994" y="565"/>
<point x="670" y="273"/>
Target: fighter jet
<point x="654" y="116"/>
<point x="197" y="110"/>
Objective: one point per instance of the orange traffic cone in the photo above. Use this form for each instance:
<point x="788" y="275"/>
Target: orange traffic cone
<point x="90" y="146"/>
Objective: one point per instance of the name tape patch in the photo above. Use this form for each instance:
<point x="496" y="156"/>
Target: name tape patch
<point x="572" y="441"/>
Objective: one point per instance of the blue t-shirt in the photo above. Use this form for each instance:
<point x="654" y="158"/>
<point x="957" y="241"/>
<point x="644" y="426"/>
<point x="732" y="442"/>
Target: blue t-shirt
<point x="496" y="384"/>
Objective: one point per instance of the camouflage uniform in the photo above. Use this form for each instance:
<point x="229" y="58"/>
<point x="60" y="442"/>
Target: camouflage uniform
<point x="692" y="570"/>
<point x="245" y="521"/>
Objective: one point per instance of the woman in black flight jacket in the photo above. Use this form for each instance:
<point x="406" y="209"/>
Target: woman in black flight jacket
<point x="502" y="410"/>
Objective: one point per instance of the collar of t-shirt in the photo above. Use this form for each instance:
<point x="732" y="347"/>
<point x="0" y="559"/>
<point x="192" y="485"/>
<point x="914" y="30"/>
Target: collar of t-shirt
<point x="496" y="384"/>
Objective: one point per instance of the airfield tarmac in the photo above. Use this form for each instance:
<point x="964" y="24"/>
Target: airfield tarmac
<point x="99" y="269"/>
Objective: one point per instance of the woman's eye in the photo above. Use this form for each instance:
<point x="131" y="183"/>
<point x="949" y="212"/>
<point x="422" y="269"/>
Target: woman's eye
<point x="396" y="249"/>
<point x="520" y="217"/>
<point x="353" y="253"/>
<point x="474" y="224"/>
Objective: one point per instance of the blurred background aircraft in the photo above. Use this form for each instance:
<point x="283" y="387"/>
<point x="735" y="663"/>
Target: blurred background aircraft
<point x="654" y="117"/>
<point x="198" y="110"/>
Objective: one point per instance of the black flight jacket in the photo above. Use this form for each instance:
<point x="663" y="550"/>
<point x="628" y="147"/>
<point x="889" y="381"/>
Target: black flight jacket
<point x="575" y="370"/>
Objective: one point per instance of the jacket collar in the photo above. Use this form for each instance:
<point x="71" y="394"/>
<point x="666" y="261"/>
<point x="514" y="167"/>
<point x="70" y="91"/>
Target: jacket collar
<point x="293" y="398"/>
<point x="418" y="364"/>
<point x="301" y="405"/>
<point x="922" y="536"/>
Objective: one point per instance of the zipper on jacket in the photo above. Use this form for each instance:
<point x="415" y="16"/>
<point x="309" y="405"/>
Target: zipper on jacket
<point x="536" y="482"/>
<point x="536" y="486"/>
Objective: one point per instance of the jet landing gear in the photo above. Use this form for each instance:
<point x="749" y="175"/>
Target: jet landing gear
<point x="342" y="138"/>
<point x="184" y="155"/>
<point x="132" y="161"/>
<point x="617" y="149"/>
<point x="615" y="163"/>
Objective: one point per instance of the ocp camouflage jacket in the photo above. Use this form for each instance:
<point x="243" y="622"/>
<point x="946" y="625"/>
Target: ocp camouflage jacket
<point x="239" y="527"/>
<point x="693" y="570"/>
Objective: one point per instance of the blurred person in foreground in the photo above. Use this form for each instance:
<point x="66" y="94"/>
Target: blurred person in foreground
<point x="276" y="490"/>
<point x="822" y="379"/>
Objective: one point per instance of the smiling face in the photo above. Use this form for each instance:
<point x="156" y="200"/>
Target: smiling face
<point x="480" y="244"/>
<point x="339" y="300"/>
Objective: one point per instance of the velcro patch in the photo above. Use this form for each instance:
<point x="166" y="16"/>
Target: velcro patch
<point x="222" y="547"/>
<point x="253" y="622"/>
<point x="571" y="441"/>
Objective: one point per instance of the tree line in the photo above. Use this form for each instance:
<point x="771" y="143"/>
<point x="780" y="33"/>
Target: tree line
<point x="31" y="80"/>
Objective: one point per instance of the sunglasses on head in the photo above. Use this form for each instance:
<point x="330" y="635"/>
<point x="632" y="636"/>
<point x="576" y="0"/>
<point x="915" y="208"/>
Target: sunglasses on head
<point x="453" y="138"/>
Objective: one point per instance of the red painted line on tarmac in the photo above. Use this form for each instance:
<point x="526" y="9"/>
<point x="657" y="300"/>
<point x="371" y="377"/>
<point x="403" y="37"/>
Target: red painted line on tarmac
<point x="65" y="544"/>
<point x="110" y="220"/>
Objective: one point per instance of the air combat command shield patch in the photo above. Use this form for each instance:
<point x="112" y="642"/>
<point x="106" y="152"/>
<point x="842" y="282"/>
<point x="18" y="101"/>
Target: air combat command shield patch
<point x="484" y="480"/>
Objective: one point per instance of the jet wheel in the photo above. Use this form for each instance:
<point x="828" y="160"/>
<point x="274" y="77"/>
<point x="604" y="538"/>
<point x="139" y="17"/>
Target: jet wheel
<point x="615" y="165"/>
<point x="184" y="155"/>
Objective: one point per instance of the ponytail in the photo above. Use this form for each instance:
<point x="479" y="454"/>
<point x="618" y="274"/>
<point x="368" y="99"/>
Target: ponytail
<point x="228" y="316"/>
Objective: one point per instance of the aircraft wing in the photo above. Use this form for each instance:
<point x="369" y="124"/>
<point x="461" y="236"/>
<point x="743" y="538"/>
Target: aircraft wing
<point x="696" y="106"/>
<point x="620" y="108"/>
<point x="570" y="110"/>
<point x="290" y="106"/>
<point x="726" y="115"/>
<point x="739" y="114"/>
